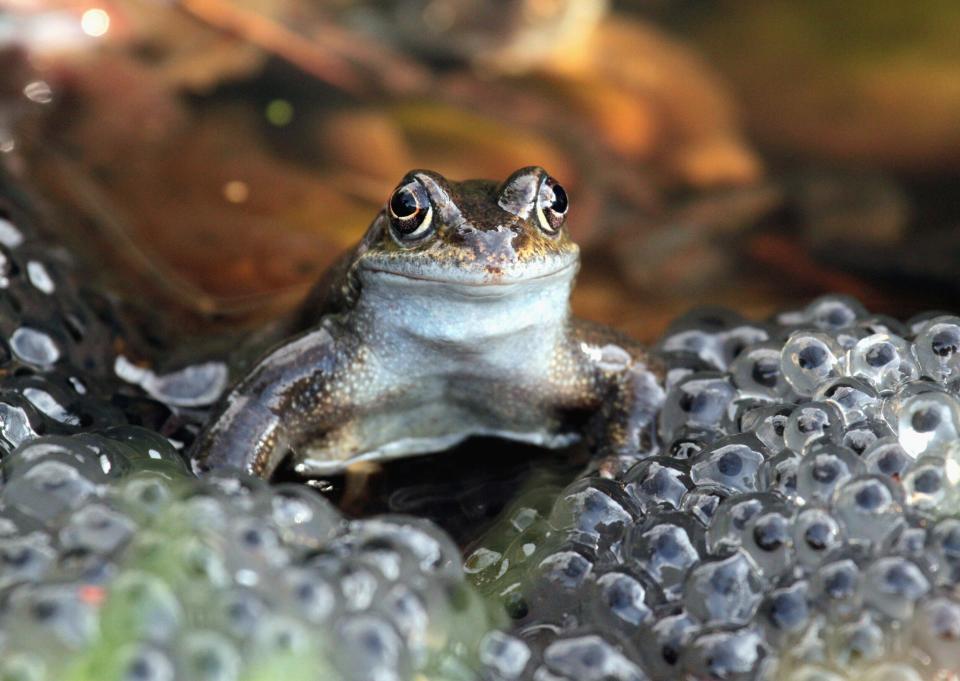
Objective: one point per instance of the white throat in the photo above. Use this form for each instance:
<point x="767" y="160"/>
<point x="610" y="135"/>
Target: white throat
<point x="497" y="325"/>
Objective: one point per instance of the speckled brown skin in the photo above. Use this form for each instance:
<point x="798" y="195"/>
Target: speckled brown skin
<point x="411" y="344"/>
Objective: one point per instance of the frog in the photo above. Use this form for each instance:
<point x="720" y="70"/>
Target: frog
<point x="450" y="319"/>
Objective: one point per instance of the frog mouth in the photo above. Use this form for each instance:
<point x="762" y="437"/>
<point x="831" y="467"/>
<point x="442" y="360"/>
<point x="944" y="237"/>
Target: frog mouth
<point x="491" y="277"/>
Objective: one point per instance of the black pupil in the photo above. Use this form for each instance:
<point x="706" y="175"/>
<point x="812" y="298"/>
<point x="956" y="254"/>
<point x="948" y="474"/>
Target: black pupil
<point x="403" y="203"/>
<point x="559" y="199"/>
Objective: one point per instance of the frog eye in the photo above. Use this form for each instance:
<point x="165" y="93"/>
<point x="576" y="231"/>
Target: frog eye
<point x="410" y="212"/>
<point x="552" y="205"/>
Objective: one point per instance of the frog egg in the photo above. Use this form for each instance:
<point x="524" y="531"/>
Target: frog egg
<point x="589" y="658"/>
<point x="768" y="424"/>
<point x="885" y="361"/>
<point x="856" y="642"/>
<point x="809" y="359"/>
<point x="243" y="491"/>
<point x="624" y="600"/>
<point x="145" y="608"/>
<point x="242" y="609"/>
<point x="358" y="586"/>
<point x="943" y="547"/>
<point x="253" y="547"/>
<point x="699" y="401"/>
<point x="514" y="603"/>
<point x="926" y="486"/>
<point x="680" y="365"/>
<point x="916" y="323"/>
<point x="201" y="513"/>
<point x="740" y="409"/>
<point x="756" y="372"/>
<point x="846" y="339"/>
<point x="724" y="591"/>
<point x="887" y="457"/>
<point x="810" y="422"/>
<point x="833" y="312"/>
<point x="283" y="635"/>
<point x="407" y="611"/>
<point x="894" y="585"/>
<point x="24" y="559"/>
<point x="143" y="663"/>
<point x="927" y="422"/>
<point x="910" y="543"/>
<point x="506" y="655"/>
<point x="200" y="562"/>
<point x="779" y="473"/>
<point x="769" y="542"/>
<point x="936" y="630"/>
<point x="860" y="436"/>
<point x="837" y="588"/>
<point x="208" y="656"/>
<point x="856" y="399"/>
<point x="786" y="610"/>
<point x="731" y="522"/>
<point x="705" y="345"/>
<point x="595" y="511"/>
<point x="688" y="442"/>
<point x="666" y="549"/>
<point x="736" y="340"/>
<point x="822" y="470"/>
<point x="51" y="609"/>
<point x="736" y="655"/>
<point x="879" y="323"/>
<point x="35" y="347"/>
<point x="385" y="560"/>
<point x="733" y="462"/>
<point x="48" y="489"/>
<point x="431" y="550"/>
<point x="302" y="516"/>
<point x="937" y="345"/>
<point x="19" y="423"/>
<point x="559" y="577"/>
<point x="658" y="482"/>
<point x="98" y="529"/>
<point x="869" y="507"/>
<point x="703" y="501"/>
<point x="145" y="496"/>
<point x="145" y="444"/>
<point x="311" y="596"/>
<point x="670" y="637"/>
<point x="701" y="330"/>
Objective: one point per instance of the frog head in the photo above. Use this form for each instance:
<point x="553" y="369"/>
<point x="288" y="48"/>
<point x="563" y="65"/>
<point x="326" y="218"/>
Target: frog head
<point x="472" y="233"/>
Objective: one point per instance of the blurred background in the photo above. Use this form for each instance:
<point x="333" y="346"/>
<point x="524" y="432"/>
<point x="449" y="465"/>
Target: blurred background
<point x="211" y="157"/>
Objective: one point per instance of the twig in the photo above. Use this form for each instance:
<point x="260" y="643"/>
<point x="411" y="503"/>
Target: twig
<point x="270" y="36"/>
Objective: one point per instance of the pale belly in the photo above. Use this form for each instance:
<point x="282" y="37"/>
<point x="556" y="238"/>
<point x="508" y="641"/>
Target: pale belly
<point x="436" y="414"/>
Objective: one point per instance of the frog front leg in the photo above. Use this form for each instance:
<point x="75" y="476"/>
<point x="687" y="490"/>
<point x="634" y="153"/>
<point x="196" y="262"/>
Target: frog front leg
<point x="626" y="387"/>
<point x="287" y="401"/>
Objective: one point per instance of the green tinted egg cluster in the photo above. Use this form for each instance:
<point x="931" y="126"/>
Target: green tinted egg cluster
<point x="116" y="564"/>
